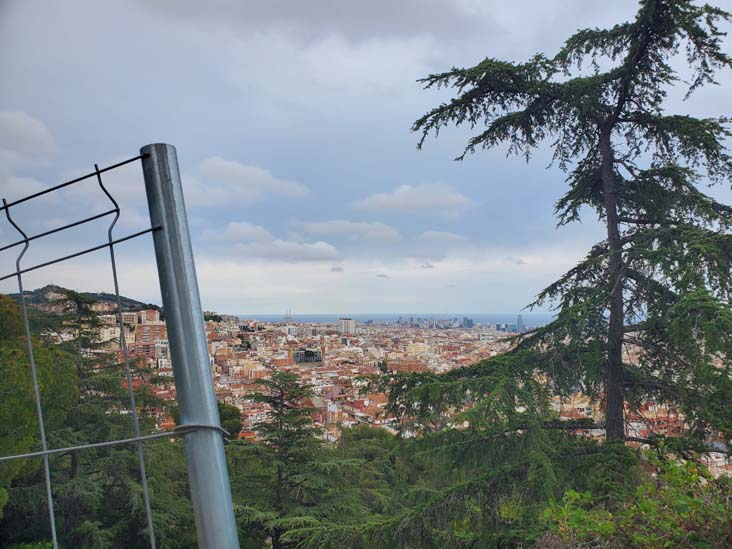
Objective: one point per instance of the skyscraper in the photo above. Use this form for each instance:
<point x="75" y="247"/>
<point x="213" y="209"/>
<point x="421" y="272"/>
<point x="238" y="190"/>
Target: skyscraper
<point x="520" y="328"/>
<point x="346" y="326"/>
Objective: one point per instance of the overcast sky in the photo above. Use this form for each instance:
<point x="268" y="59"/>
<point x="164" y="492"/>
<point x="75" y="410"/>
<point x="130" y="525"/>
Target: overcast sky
<point x="292" y="119"/>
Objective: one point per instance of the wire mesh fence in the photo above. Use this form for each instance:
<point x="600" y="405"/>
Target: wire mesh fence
<point x="204" y="447"/>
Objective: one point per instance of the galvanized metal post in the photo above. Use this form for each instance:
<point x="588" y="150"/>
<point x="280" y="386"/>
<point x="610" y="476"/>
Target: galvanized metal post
<point x="204" y="447"/>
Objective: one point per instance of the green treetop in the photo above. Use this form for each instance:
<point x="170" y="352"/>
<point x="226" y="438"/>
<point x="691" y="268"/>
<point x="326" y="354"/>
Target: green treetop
<point x="97" y="491"/>
<point x="18" y="420"/>
<point x="290" y="484"/>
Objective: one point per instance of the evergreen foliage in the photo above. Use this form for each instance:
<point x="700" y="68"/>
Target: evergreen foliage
<point x="644" y="317"/>
<point x="289" y="481"/>
<point x="18" y="420"/>
<point x="229" y="416"/>
<point x="683" y="506"/>
<point x="647" y="313"/>
<point x="97" y="492"/>
<point x="509" y="476"/>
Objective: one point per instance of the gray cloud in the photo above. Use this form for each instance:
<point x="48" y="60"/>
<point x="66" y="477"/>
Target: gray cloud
<point x="516" y="260"/>
<point x="252" y="241"/>
<point x="321" y="93"/>
<point x="359" y="230"/>
<point x="382" y="275"/>
<point x="448" y="19"/>
<point x="434" y="245"/>
<point x="336" y="269"/>
<point x="23" y="138"/>
<point x="441" y="237"/>
<point x="288" y="251"/>
<point x="24" y="141"/>
<point x="239" y="231"/>
<point x="227" y="182"/>
<point x="432" y="198"/>
<point x="426" y="265"/>
<point x="13" y="187"/>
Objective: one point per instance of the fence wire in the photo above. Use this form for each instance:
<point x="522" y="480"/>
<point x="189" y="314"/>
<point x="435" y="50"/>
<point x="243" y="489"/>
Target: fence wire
<point x="25" y="240"/>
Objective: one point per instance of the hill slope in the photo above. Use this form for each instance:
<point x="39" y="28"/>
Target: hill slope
<point x="44" y="296"/>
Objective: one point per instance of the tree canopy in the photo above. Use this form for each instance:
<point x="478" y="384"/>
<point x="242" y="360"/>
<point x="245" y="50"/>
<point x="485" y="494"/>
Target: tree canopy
<point x="646" y="314"/>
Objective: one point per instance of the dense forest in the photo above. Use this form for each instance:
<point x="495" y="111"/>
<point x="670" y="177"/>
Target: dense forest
<point x="480" y="459"/>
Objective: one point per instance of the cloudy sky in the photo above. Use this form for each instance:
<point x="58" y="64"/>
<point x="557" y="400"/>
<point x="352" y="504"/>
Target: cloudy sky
<point x="292" y="122"/>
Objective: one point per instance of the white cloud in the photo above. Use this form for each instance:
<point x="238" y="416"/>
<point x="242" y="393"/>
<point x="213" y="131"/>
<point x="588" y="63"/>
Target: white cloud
<point x="23" y="139"/>
<point x="239" y="231"/>
<point x="288" y="251"/>
<point x="13" y="188"/>
<point x="441" y="236"/>
<point x="238" y="283"/>
<point x="256" y="242"/>
<point x="227" y="182"/>
<point x="433" y="198"/>
<point x="436" y="245"/>
<point x="359" y="230"/>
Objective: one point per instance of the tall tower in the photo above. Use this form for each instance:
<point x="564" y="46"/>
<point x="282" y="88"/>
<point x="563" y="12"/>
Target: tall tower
<point x="520" y="328"/>
<point x="346" y="326"/>
<point x="322" y="350"/>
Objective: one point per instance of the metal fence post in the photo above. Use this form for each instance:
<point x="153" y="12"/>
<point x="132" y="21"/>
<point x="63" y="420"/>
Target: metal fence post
<point x="204" y="447"/>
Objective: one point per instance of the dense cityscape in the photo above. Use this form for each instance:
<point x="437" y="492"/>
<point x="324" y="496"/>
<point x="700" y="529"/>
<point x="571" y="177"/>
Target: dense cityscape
<point x="333" y="358"/>
<point x="336" y="360"/>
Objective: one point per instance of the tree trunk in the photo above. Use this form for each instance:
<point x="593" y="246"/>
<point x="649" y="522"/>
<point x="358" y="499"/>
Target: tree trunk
<point x="614" y="399"/>
<point x="276" y="533"/>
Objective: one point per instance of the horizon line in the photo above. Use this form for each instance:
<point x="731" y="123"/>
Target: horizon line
<point x="401" y="313"/>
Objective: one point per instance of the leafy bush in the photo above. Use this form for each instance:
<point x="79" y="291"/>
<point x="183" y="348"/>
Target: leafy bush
<point x="680" y="505"/>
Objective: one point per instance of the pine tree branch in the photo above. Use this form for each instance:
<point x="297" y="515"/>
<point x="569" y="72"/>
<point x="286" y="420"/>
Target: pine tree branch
<point x="629" y="328"/>
<point x="638" y="220"/>
<point x="694" y="447"/>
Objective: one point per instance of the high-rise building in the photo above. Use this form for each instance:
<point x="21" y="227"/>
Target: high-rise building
<point x="520" y="328"/>
<point x="346" y="326"/>
<point x="146" y="336"/>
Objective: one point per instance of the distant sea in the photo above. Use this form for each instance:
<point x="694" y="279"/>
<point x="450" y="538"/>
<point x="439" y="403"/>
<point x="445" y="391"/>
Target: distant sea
<point x="486" y="319"/>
